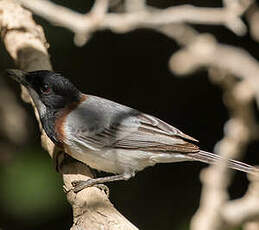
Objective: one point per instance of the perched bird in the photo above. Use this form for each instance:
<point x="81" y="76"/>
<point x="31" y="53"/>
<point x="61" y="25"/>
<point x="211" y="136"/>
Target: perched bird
<point x="105" y="135"/>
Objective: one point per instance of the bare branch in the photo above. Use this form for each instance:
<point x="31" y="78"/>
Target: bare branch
<point x="215" y="211"/>
<point x="147" y="17"/>
<point x="135" y="5"/>
<point x="245" y="209"/>
<point x="205" y="51"/>
<point x="253" y="21"/>
<point x="25" y="42"/>
<point x="239" y="130"/>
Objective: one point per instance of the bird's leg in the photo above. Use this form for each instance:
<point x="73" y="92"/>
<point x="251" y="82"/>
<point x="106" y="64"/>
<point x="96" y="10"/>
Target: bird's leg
<point x="81" y="184"/>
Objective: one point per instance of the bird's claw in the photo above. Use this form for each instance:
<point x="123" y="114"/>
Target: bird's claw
<point x="79" y="185"/>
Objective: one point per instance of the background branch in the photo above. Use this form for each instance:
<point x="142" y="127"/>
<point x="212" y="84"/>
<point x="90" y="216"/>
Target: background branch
<point x="84" y="24"/>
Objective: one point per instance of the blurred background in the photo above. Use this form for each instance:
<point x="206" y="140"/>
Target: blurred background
<point x="131" y="69"/>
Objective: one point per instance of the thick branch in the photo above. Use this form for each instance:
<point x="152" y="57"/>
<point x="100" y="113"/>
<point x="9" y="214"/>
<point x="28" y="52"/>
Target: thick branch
<point x="25" y="42"/>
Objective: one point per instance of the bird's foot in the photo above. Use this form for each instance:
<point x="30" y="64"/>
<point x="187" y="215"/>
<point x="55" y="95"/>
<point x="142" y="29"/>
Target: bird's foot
<point x="79" y="185"/>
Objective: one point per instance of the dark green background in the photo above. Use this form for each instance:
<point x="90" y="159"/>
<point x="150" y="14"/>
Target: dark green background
<point x="131" y="69"/>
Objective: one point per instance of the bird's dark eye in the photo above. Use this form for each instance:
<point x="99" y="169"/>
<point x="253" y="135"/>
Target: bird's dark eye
<point x="45" y="89"/>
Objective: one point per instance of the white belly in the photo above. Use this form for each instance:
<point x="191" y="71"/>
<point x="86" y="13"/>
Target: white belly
<point x="121" y="161"/>
<point x="112" y="161"/>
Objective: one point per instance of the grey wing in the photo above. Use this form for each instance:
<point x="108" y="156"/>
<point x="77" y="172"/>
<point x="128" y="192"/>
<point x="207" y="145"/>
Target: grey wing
<point x="111" y="125"/>
<point x="155" y="135"/>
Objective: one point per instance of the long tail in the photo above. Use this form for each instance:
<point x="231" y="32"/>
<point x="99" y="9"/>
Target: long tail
<point x="211" y="158"/>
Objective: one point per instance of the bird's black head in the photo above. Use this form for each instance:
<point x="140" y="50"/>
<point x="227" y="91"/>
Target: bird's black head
<point x="48" y="89"/>
<point x="53" y="90"/>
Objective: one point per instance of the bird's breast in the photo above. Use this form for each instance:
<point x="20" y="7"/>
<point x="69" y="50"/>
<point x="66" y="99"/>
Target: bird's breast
<point x="61" y="119"/>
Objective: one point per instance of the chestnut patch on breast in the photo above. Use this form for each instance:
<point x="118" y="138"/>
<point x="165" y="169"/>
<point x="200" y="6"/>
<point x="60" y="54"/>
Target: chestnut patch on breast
<point x="61" y="118"/>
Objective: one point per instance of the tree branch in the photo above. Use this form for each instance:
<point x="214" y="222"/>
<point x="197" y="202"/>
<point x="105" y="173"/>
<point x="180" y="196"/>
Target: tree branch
<point x="206" y="51"/>
<point x="216" y="211"/>
<point x="83" y="24"/>
<point x="26" y="43"/>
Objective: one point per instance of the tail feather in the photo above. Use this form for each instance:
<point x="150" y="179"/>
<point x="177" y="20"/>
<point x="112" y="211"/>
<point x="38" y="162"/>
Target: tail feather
<point x="211" y="158"/>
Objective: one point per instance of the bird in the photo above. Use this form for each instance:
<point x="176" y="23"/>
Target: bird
<point x="106" y="135"/>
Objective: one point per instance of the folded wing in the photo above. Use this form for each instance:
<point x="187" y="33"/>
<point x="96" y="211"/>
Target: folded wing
<point x="111" y="125"/>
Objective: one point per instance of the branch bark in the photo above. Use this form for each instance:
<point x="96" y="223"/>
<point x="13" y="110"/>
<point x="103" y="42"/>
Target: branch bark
<point x="26" y="44"/>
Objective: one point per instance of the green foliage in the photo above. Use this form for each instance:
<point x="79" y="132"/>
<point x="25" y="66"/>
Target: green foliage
<point x="31" y="188"/>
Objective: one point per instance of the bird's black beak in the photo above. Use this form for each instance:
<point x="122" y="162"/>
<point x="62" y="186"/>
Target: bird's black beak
<point x="22" y="78"/>
<point x="18" y="75"/>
